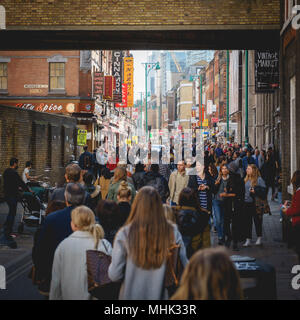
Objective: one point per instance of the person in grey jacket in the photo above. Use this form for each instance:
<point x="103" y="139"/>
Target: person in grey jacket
<point x="69" y="272"/>
<point x="140" y="249"/>
<point x="252" y="180"/>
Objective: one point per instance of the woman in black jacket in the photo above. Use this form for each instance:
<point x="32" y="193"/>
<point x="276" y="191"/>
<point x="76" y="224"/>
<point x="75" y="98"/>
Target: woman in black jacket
<point x="232" y="197"/>
<point x="191" y="220"/>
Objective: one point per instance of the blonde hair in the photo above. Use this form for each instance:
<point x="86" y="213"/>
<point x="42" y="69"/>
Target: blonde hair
<point x="120" y="174"/>
<point x="169" y="213"/>
<point x="124" y="191"/>
<point x="209" y="275"/>
<point x="84" y="219"/>
<point x="150" y="234"/>
<point x="254" y="176"/>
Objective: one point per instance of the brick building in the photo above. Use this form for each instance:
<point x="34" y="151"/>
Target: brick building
<point x="48" y="140"/>
<point x="289" y="95"/>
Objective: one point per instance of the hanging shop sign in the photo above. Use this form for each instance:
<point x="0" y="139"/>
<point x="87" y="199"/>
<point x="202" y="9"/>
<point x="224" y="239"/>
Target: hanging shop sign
<point x="266" y="70"/>
<point x="205" y="123"/>
<point x="81" y="137"/>
<point x="117" y="72"/>
<point x="124" y="97"/>
<point x="108" y="87"/>
<point x="98" y="83"/>
<point x="128" y="79"/>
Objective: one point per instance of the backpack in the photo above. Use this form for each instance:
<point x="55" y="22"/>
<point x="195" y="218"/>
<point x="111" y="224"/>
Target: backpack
<point x="158" y="185"/>
<point x="87" y="162"/>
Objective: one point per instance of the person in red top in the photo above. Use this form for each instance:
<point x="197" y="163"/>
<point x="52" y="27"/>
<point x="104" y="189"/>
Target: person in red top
<point x="294" y="211"/>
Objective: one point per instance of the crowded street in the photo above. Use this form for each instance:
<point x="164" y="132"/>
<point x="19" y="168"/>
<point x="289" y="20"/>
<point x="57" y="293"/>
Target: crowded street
<point x="149" y="153"/>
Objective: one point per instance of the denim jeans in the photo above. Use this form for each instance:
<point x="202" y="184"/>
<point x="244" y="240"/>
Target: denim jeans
<point x="218" y="207"/>
<point x="10" y="219"/>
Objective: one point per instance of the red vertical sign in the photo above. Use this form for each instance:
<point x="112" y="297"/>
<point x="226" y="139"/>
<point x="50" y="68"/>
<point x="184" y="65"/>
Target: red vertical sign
<point x="124" y="97"/>
<point x="108" y="87"/>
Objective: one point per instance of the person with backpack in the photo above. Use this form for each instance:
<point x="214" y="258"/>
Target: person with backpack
<point x="138" y="176"/>
<point x="69" y="276"/>
<point x="86" y="160"/>
<point x="154" y="179"/>
<point x="92" y="190"/>
<point x="141" y="247"/>
<point x="191" y="220"/>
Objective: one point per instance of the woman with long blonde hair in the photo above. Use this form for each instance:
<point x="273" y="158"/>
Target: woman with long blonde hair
<point x="209" y="275"/>
<point x="253" y="181"/>
<point x="69" y="274"/>
<point x="119" y="176"/>
<point x="141" y="247"/>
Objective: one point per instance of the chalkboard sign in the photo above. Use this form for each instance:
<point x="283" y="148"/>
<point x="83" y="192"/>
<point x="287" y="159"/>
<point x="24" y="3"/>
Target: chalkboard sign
<point x="266" y="71"/>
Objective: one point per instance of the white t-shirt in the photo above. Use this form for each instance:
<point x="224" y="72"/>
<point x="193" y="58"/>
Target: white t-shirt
<point x="26" y="170"/>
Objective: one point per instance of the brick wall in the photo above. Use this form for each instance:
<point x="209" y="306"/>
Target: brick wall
<point x="25" y="135"/>
<point x="27" y="67"/>
<point x="53" y="13"/>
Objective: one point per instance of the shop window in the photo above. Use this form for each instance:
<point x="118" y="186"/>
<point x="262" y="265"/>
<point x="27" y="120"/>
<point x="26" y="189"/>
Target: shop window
<point x="57" y="76"/>
<point x="3" y="76"/>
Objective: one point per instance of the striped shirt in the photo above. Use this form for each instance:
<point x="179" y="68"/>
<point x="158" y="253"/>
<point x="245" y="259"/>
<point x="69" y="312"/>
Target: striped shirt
<point x="202" y="194"/>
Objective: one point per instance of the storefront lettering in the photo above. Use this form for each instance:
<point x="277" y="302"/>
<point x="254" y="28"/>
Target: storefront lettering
<point x="42" y="107"/>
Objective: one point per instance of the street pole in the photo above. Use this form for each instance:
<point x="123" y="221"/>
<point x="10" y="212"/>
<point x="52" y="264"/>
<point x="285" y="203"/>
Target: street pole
<point x="227" y="96"/>
<point x="146" y="114"/>
<point x="246" y="97"/>
<point x="201" y="98"/>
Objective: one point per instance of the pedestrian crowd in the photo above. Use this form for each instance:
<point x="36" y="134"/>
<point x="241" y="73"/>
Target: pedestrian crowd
<point x="140" y="221"/>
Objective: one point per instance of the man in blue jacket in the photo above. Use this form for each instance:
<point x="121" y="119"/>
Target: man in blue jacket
<point x="248" y="159"/>
<point x="86" y="161"/>
<point x="56" y="227"/>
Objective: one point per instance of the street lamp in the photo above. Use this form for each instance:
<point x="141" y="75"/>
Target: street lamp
<point x="148" y="67"/>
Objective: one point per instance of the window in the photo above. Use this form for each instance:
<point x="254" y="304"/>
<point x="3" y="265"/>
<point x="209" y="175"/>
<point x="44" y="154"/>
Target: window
<point x="57" y="76"/>
<point x="3" y="76"/>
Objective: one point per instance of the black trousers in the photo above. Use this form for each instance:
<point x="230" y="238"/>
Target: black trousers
<point x="231" y="221"/>
<point x="250" y="216"/>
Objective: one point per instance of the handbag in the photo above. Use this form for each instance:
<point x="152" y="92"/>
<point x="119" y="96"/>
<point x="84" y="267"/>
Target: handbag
<point x="174" y="269"/>
<point x="99" y="284"/>
<point x="262" y="206"/>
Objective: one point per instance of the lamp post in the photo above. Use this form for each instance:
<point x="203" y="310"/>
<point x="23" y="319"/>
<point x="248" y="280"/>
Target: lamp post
<point x="148" y="67"/>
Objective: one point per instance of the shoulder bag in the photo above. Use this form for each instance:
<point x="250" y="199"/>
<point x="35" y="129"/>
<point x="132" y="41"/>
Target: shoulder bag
<point x="99" y="284"/>
<point x="174" y="269"/>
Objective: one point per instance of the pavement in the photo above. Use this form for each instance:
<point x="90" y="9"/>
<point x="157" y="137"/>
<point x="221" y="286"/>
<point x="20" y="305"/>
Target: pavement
<point x="273" y="251"/>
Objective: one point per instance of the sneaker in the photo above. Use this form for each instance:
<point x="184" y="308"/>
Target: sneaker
<point x="258" y="242"/>
<point x="247" y="243"/>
